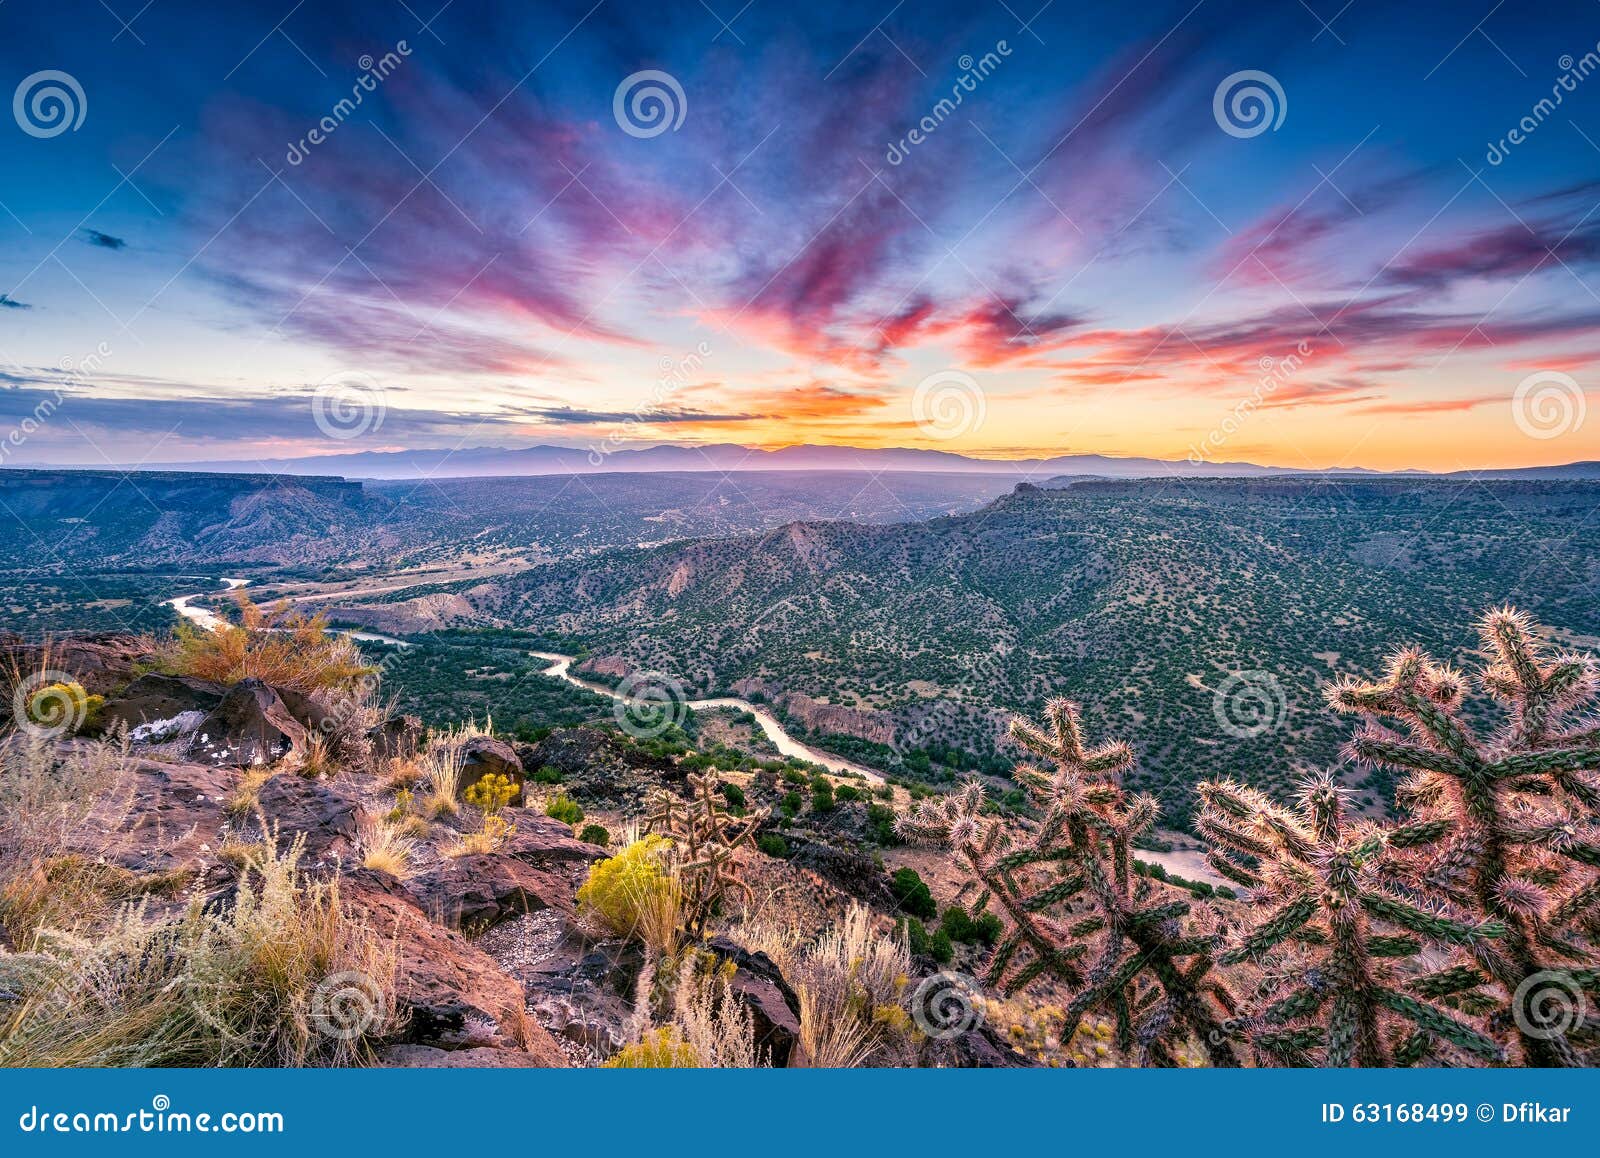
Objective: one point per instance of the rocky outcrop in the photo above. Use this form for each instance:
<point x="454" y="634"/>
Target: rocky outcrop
<point x="759" y="987"/>
<point x="152" y="697"/>
<point x="102" y="662"/>
<point x="598" y="769"/>
<point x="251" y="726"/>
<point x="451" y="994"/>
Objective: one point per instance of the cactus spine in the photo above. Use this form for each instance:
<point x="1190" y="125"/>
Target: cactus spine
<point x="1331" y="934"/>
<point x="1148" y="971"/>
<point x="1519" y="803"/>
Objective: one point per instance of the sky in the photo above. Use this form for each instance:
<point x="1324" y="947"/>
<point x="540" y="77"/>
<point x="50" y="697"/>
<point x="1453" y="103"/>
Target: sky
<point x="1309" y="234"/>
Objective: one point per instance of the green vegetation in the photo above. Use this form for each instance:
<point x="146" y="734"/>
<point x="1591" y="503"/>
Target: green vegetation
<point x="563" y="808"/>
<point x="911" y="893"/>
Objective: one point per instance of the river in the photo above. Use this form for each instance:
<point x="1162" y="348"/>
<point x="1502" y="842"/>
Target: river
<point x="560" y="668"/>
<point x="1188" y="864"/>
<point x="210" y="620"/>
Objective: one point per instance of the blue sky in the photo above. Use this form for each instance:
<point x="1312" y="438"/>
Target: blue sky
<point x="483" y="251"/>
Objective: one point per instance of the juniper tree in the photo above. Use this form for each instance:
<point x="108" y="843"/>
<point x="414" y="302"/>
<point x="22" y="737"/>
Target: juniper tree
<point x="1519" y="802"/>
<point x="706" y="837"/>
<point x="1338" y="948"/>
<point x="1147" y="971"/>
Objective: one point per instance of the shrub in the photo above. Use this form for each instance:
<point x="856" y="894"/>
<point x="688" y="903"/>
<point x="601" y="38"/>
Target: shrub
<point x="916" y="936"/>
<point x="495" y="832"/>
<point x="241" y="985"/>
<point x="548" y="775"/>
<point x="492" y="792"/>
<point x="595" y="834"/>
<point x="940" y="948"/>
<point x="386" y="850"/>
<point x="880" y="825"/>
<point x="563" y="808"/>
<point x="732" y="793"/>
<point x="659" y="1049"/>
<point x="284" y="648"/>
<point x="821" y="796"/>
<point x="984" y="929"/>
<point x="634" y="894"/>
<point x="790" y="804"/>
<point x="847" y="792"/>
<point x="773" y="845"/>
<point x="912" y="893"/>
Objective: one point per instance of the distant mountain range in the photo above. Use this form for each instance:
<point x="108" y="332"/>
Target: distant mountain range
<point x="481" y="461"/>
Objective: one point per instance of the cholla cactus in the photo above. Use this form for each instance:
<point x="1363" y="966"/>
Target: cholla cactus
<point x="1519" y="803"/>
<point x="1334" y="936"/>
<point x="1148" y="972"/>
<point x="706" y="836"/>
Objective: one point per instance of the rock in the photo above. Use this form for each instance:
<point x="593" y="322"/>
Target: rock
<point x="478" y="891"/>
<point x="397" y="738"/>
<point x="311" y="712"/>
<point x="101" y="661"/>
<point x="408" y="1056"/>
<point x="598" y="769"/>
<point x="159" y="817"/>
<point x="854" y="873"/>
<point x="299" y="806"/>
<point x="153" y="697"/>
<point x="583" y="993"/>
<point x="250" y="726"/>
<point x="773" y="1006"/>
<point x="483" y="755"/>
<point x="165" y="731"/>
<point x="449" y="991"/>
<point x="545" y="842"/>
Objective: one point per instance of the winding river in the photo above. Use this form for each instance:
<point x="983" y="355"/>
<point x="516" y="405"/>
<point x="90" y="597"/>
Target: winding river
<point x="561" y="665"/>
<point x="1188" y="864"/>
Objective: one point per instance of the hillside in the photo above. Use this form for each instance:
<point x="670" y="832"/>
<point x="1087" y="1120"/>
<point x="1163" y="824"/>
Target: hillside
<point x="1174" y="610"/>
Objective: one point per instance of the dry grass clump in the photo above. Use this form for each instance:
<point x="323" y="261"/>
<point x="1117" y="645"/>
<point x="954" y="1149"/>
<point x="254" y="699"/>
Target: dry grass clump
<point x="851" y="983"/>
<point x="283" y="976"/>
<point x="287" y="649"/>
<point x="47" y="796"/>
<point x="246" y="798"/>
<point x="388" y="850"/>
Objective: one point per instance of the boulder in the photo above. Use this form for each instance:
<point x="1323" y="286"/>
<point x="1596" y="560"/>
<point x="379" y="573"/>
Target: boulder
<point x="479" y="891"/>
<point x="483" y="755"/>
<point x="760" y="988"/>
<point x="328" y="819"/>
<point x="154" y="697"/>
<point x="449" y="991"/>
<point x="397" y="738"/>
<point x="159" y="817"/>
<point x="101" y="661"/>
<point x="250" y="726"/>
